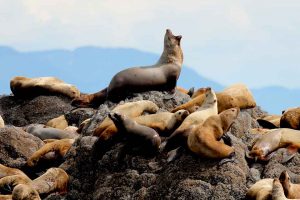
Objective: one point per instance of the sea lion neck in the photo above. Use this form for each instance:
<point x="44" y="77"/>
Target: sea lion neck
<point x="171" y="55"/>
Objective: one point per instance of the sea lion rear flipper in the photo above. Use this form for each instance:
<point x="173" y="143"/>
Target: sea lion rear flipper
<point x="289" y="153"/>
<point x="174" y="154"/>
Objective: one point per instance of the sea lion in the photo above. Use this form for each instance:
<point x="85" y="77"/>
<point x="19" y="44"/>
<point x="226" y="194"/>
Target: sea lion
<point x="164" y="123"/>
<point x="291" y="191"/>
<point x="291" y="119"/>
<point x="53" y="180"/>
<point x="146" y="138"/>
<point x="47" y="133"/>
<point x="278" y="138"/>
<point x="8" y="171"/>
<point x="277" y="191"/>
<point x="1" y="122"/>
<point x="161" y="77"/>
<point x="23" y="87"/>
<point x="269" y="121"/>
<point x="180" y="135"/>
<point x="60" y="147"/>
<point x="14" y="180"/>
<point x="25" y="192"/>
<point x="58" y="122"/>
<point x="205" y="139"/>
<point x="261" y="190"/>
<point x="131" y="110"/>
<point x="237" y="95"/>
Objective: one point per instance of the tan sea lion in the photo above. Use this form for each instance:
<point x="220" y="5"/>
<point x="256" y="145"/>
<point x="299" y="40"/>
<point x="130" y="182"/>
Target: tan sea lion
<point x="269" y="121"/>
<point x="1" y="122"/>
<point x="25" y="192"/>
<point x="278" y="138"/>
<point x="58" y="122"/>
<point x="162" y="76"/>
<point x="138" y="135"/>
<point x="291" y="119"/>
<point x="131" y="110"/>
<point x="53" y="180"/>
<point x="8" y="171"/>
<point x="48" y="133"/>
<point x="60" y="147"/>
<point x="237" y="95"/>
<point x="261" y="190"/>
<point x="291" y="191"/>
<point x="14" y="180"/>
<point x="205" y="139"/>
<point x="277" y="191"/>
<point x="27" y="87"/>
<point x="180" y="135"/>
<point x="163" y="123"/>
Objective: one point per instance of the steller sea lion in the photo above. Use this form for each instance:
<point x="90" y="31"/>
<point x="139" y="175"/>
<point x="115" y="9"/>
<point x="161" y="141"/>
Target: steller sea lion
<point x="7" y="171"/>
<point x="180" y="135"/>
<point x="269" y="121"/>
<point x="58" y="122"/>
<point x="237" y="95"/>
<point x="23" y="87"/>
<point x="138" y="135"/>
<point x="291" y="191"/>
<point x="264" y="147"/>
<point x="205" y="139"/>
<point x="1" y="122"/>
<point x="164" y="123"/>
<point x="261" y="190"/>
<point x="131" y="110"/>
<point x="60" y="147"/>
<point x="25" y="192"/>
<point x="47" y="133"/>
<point x="14" y="180"/>
<point x="291" y="119"/>
<point x="162" y="76"/>
<point x="277" y="191"/>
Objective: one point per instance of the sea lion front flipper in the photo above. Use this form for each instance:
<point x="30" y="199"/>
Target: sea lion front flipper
<point x="227" y="139"/>
<point x="191" y="91"/>
<point x="289" y="153"/>
<point x="229" y="159"/>
<point x="174" y="154"/>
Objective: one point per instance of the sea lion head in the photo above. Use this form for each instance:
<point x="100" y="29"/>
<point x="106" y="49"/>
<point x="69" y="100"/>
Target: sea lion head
<point x="25" y="192"/>
<point x="228" y="116"/>
<point x="181" y="114"/>
<point x="172" y="49"/>
<point x="284" y="179"/>
<point x="210" y="97"/>
<point x="258" y="153"/>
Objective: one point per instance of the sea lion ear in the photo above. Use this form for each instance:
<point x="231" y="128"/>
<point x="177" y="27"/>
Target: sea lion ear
<point x="178" y="38"/>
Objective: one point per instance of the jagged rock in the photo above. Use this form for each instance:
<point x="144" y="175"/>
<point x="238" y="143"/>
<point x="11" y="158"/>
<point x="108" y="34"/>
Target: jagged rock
<point x="17" y="146"/>
<point x="21" y="112"/>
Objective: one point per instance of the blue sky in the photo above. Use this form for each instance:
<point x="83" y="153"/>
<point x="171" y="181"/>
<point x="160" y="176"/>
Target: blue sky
<point x="229" y="41"/>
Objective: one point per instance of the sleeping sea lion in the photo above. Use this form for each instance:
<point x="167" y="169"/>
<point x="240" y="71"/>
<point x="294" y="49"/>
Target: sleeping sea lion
<point x="291" y="119"/>
<point x="48" y="133"/>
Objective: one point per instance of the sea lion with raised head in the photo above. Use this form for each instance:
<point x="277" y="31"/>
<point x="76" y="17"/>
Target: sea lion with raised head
<point x="161" y="77"/>
<point x="60" y="147"/>
<point x="23" y="87"/>
<point x="264" y="147"/>
<point x="131" y="110"/>
<point x="205" y="139"/>
<point x="291" y="190"/>
<point x="291" y="119"/>
<point x="164" y="123"/>
<point x="180" y="135"/>
<point x="146" y="138"/>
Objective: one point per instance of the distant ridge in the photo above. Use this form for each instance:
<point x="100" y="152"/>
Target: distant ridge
<point x="91" y="68"/>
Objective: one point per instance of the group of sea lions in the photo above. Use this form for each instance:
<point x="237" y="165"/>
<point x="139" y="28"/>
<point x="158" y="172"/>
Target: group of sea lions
<point x="200" y="125"/>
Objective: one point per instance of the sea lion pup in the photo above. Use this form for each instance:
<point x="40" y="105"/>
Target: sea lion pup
<point x="291" y="119"/>
<point x="131" y="110"/>
<point x="264" y="147"/>
<point x="23" y="87"/>
<point x="164" y="123"/>
<point x="60" y="147"/>
<point x="59" y="122"/>
<point x="25" y="192"/>
<point x="261" y="190"/>
<point x="53" y="180"/>
<point x="1" y="122"/>
<point x="47" y="133"/>
<point x="269" y="121"/>
<point x="237" y="95"/>
<point x="161" y="77"/>
<point x="291" y="191"/>
<point x="205" y="139"/>
<point x="180" y="135"/>
<point x="146" y="138"/>
<point x="8" y="171"/>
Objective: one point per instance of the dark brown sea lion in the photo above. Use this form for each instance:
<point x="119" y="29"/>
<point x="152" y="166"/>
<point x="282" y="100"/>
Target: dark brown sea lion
<point x="161" y="77"/>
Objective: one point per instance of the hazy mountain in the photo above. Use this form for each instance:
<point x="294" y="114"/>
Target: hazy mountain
<point x="91" y="68"/>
